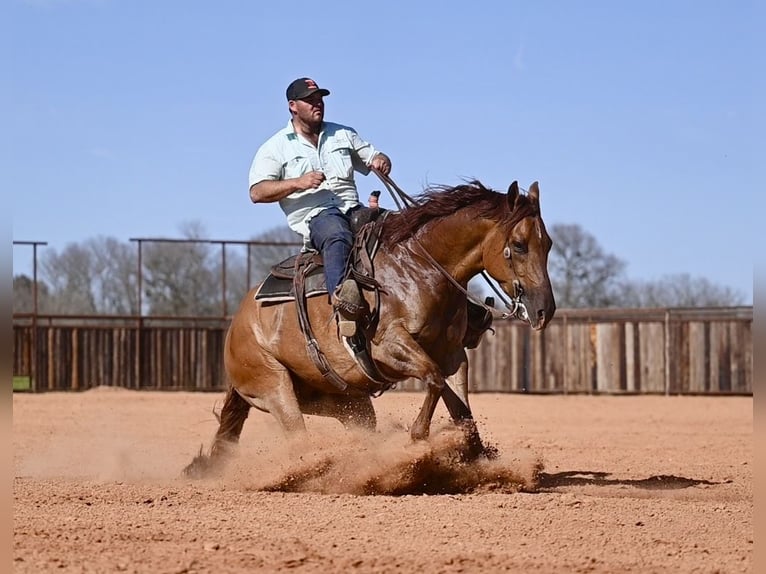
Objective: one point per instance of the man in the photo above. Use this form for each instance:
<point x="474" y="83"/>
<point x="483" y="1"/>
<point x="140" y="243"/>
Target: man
<point x="308" y="167"/>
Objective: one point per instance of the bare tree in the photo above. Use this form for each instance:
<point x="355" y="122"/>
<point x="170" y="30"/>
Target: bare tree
<point x="582" y="274"/>
<point x="100" y="276"/>
<point x="678" y="290"/>
<point x="236" y="276"/>
<point x="23" y="294"/>
<point x="115" y="280"/>
<point x="97" y="276"/>
<point x="264" y="257"/>
<point x="179" y="278"/>
<point x="239" y="279"/>
<point x="70" y="276"/>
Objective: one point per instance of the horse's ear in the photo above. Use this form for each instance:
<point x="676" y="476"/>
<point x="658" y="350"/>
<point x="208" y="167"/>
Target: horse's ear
<point x="513" y="193"/>
<point x="534" y="192"/>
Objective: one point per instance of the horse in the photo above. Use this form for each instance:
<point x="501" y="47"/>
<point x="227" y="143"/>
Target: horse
<point x="428" y="253"/>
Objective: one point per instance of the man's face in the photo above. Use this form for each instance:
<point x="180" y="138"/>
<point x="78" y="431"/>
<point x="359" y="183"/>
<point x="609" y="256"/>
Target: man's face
<point x="309" y="110"/>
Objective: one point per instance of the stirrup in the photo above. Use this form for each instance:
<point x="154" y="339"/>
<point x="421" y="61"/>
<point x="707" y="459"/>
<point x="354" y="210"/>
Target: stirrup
<point x="347" y="328"/>
<point x="348" y="311"/>
<point x="347" y="301"/>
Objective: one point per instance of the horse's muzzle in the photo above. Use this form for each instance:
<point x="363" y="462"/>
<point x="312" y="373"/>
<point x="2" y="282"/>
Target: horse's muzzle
<point x="542" y="316"/>
<point x="535" y="307"/>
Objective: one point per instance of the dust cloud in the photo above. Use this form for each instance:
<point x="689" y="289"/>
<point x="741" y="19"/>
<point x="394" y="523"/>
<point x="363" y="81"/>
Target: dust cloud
<point x="382" y="463"/>
<point x="95" y="437"/>
<point x="341" y="462"/>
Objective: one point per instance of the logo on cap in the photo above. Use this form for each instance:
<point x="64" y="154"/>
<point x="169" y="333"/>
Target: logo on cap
<point x="304" y="87"/>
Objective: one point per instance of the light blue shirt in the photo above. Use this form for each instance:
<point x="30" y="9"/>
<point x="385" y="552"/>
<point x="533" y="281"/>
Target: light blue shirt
<point x="286" y="155"/>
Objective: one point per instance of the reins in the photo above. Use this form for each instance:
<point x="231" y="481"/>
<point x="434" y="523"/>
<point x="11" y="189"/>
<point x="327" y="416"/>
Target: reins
<point x="401" y="199"/>
<point x="514" y="305"/>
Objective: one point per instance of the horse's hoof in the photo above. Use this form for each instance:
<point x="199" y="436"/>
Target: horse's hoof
<point x="474" y="447"/>
<point x="418" y="436"/>
<point x="201" y="466"/>
<point x="198" y="468"/>
<point x="489" y="452"/>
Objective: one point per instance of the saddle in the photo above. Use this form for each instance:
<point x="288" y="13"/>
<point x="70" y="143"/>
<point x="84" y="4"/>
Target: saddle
<point x="279" y="286"/>
<point x="301" y="276"/>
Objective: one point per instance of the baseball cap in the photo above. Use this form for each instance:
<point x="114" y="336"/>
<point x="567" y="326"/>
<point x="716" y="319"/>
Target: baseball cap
<point x="303" y="88"/>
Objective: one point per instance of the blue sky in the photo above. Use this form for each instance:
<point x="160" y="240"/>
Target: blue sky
<point x="643" y="122"/>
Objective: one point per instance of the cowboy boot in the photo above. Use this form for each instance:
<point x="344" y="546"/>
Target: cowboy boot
<point x="351" y="307"/>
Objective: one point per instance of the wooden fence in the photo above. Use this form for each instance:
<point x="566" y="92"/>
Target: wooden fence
<point x="661" y="351"/>
<point x="669" y="351"/>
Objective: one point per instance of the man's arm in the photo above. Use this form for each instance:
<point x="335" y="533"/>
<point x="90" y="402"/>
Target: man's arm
<point x="370" y="157"/>
<point x="270" y="190"/>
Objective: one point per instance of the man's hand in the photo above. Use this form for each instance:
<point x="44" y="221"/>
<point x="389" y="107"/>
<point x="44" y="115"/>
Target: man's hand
<point x="267" y="191"/>
<point x="311" y="180"/>
<point x="382" y="163"/>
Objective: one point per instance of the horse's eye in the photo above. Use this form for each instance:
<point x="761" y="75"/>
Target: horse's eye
<point x="519" y="247"/>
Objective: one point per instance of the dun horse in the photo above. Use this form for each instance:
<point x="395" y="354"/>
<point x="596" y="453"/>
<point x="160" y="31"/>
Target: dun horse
<point x="427" y="255"/>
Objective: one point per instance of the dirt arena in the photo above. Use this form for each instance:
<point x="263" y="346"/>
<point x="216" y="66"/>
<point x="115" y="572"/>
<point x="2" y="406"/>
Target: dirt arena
<point x="581" y="484"/>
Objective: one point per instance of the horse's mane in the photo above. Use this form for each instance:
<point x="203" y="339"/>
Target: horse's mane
<point x="439" y="201"/>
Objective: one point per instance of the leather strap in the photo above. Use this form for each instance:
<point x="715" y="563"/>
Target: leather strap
<point x="317" y="356"/>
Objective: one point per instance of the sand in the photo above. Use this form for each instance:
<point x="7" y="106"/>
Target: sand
<point x="581" y="484"/>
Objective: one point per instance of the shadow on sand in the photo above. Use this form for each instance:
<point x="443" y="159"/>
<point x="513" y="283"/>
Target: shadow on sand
<point x="546" y="482"/>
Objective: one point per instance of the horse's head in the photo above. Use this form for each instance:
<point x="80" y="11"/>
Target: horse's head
<point x="469" y="227"/>
<point x="515" y="254"/>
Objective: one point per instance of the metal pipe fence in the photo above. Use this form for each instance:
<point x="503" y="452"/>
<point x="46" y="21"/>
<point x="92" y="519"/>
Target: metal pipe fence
<point x="670" y="351"/>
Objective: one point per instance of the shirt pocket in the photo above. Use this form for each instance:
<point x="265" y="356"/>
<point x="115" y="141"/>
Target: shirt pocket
<point x="339" y="158"/>
<point x="296" y="166"/>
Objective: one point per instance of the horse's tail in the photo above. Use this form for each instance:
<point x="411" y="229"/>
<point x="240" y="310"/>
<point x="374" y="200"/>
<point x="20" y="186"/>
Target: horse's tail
<point x="230" y="422"/>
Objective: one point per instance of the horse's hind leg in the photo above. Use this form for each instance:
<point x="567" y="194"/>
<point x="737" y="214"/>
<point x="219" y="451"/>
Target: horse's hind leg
<point x="281" y="403"/>
<point x="230" y="421"/>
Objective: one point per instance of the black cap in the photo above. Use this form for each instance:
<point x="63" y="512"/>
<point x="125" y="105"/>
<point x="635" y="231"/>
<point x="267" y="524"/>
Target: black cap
<point x="375" y="193"/>
<point x="303" y="88"/>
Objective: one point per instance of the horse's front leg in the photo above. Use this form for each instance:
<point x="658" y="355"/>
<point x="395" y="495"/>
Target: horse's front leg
<point x="455" y="396"/>
<point x="401" y="354"/>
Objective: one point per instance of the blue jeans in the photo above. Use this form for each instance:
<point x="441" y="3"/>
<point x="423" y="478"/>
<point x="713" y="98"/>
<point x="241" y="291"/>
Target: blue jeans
<point x="331" y="235"/>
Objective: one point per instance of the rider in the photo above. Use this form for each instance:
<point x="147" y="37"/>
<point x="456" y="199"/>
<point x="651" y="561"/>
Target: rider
<point x="308" y="167"/>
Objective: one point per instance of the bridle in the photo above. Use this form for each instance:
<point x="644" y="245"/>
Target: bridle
<point x="515" y="307"/>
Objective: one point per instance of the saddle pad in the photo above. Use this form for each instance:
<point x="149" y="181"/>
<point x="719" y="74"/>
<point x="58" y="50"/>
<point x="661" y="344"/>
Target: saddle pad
<point x="277" y="290"/>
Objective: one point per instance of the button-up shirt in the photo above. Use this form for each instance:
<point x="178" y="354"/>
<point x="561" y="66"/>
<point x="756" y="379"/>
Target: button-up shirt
<point x="339" y="152"/>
